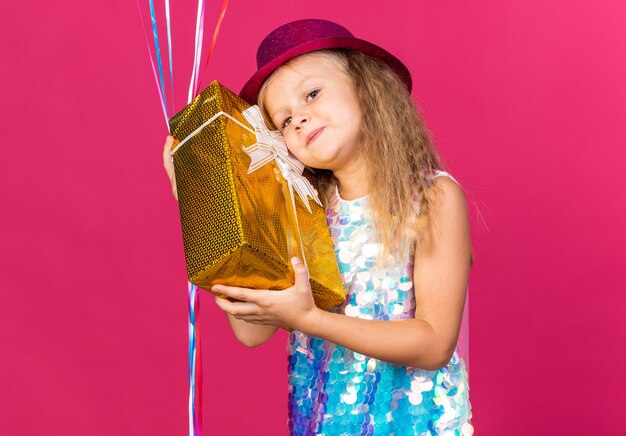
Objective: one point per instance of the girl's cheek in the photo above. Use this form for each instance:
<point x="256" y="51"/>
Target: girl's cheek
<point x="293" y="149"/>
<point x="290" y="143"/>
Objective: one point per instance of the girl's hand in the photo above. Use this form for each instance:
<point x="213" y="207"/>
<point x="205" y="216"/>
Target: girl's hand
<point x="168" y="164"/>
<point x="293" y="307"/>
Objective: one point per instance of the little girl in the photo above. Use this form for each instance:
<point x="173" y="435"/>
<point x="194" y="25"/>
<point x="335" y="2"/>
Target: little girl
<point x="385" y="361"/>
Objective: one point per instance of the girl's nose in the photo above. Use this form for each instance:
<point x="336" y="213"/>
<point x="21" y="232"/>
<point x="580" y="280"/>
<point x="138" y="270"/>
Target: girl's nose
<point x="301" y="119"/>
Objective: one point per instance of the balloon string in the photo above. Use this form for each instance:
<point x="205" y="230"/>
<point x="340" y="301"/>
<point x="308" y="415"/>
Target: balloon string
<point x="216" y="32"/>
<point x="156" y="80"/>
<point x="199" y="369"/>
<point x="200" y="44"/>
<point x="169" y="50"/>
<point x="195" y="363"/>
<point x="197" y="51"/>
<point x="157" y="49"/>
<point x="191" y="356"/>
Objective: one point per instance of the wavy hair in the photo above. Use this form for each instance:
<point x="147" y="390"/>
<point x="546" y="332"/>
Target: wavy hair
<point x="397" y="150"/>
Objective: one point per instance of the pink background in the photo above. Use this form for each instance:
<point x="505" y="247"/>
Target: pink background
<point x="526" y="101"/>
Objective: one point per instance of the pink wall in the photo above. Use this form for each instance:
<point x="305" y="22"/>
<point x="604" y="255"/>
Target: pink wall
<point x="527" y="103"/>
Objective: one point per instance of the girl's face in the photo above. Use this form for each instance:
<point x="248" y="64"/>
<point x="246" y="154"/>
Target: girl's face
<point x="312" y="102"/>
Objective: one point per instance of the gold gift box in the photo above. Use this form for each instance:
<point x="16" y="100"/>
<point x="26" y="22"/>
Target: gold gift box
<point x="239" y="229"/>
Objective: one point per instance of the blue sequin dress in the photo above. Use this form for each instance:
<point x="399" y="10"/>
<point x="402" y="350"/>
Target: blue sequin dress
<point x="335" y="391"/>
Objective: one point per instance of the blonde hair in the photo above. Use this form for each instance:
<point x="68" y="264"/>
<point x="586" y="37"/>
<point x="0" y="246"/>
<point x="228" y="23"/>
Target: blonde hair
<point x="397" y="150"/>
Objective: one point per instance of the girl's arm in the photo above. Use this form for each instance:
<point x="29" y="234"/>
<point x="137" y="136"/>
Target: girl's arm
<point x="440" y="276"/>
<point x="248" y="334"/>
<point x="441" y="270"/>
<point x="251" y="335"/>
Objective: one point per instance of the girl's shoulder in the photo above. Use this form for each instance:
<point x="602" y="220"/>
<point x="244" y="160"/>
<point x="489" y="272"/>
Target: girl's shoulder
<point x="433" y="175"/>
<point x="447" y="190"/>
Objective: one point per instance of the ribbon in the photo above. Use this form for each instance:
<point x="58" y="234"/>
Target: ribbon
<point x="195" y="363"/>
<point x="193" y="83"/>
<point x="156" y="79"/>
<point x="169" y="48"/>
<point x="157" y="49"/>
<point x="213" y="39"/>
<point x="271" y="146"/>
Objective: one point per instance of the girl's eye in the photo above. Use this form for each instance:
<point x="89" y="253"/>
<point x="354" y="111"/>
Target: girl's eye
<point x="311" y="95"/>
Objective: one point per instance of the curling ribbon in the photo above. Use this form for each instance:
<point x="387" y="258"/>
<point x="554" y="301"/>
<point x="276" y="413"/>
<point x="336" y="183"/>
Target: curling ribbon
<point x="193" y="84"/>
<point x="156" y="80"/>
<point x="157" y="49"/>
<point x="169" y="48"/>
<point x="212" y="46"/>
<point x="195" y="363"/>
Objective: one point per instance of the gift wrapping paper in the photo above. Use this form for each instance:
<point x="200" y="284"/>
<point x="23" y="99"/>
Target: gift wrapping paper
<point x="240" y="229"/>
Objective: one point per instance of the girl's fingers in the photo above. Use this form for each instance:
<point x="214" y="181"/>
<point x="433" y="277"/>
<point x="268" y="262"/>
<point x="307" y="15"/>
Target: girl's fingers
<point x="167" y="157"/>
<point x="241" y="294"/>
<point x="168" y="164"/>
<point x="301" y="273"/>
<point x="238" y="309"/>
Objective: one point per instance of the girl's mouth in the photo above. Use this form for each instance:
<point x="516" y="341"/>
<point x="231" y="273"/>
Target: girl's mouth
<point x="313" y="135"/>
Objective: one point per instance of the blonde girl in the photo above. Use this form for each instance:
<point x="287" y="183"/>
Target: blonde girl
<point x="386" y="360"/>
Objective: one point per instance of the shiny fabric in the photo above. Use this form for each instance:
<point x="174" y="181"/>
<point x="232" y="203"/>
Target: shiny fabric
<point x="334" y="391"/>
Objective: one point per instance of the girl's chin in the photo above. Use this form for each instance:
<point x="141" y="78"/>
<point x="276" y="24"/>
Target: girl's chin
<point x="318" y="157"/>
<point x="320" y="164"/>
